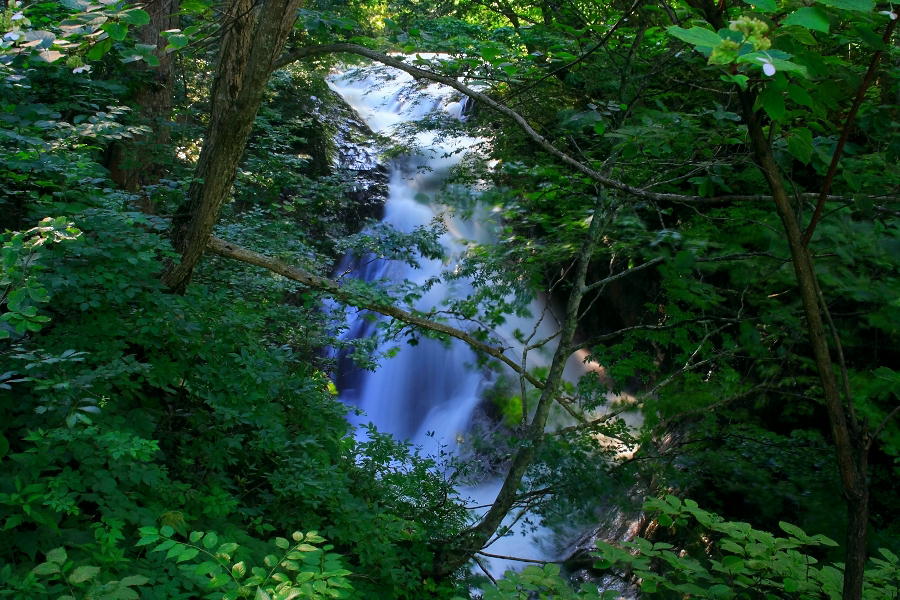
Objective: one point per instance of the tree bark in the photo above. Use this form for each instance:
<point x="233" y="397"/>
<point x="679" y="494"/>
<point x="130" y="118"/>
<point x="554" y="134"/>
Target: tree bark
<point x="254" y="37"/>
<point x="849" y="439"/>
<point x="138" y="162"/>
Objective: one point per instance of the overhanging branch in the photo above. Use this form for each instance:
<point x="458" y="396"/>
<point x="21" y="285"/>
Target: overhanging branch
<point x="521" y="122"/>
<point x="333" y="289"/>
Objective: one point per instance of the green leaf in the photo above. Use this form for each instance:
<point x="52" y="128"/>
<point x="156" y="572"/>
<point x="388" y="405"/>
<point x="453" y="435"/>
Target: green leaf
<point x="800" y="96"/>
<point x="99" y="49"/>
<point x="261" y="595"/>
<point x="136" y="16"/>
<point x="133" y="580"/>
<point x="116" y="31"/>
<point x="772" y="102"/>
<point x="227" y="548"/>
<point x="82" y="574"/>
<point x="855" y="5"/>
<point x="763" y="5"/>
<point x="238" y="570"/>
<point x="810" y="17"/>
<point x="187" y="554"/>
<point x="211" y="540"/>
<point x="698" y="36"/>
<point x="57" y="555"/>
<point x="800" y="145"/>
<point x="791" y="585"/>
<point x="282" y="543"/>
<point x="47" y="568"/>
<point x="489" y="53"/>
<point x="792" y="530"/>
<point x="177" y="42"/>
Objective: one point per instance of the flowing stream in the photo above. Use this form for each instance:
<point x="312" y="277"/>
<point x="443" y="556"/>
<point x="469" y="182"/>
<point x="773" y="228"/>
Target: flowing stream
<point x="426" y="393"/>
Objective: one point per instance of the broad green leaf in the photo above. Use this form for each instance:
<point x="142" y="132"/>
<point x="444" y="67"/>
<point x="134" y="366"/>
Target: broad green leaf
<point x="810" y="17"/>
<point x="776" y="59"/>
<point x="116" y="31"/>
<point x="177" y="42"/>
<point x="489" y="53"/>
<point x="792" y="530"/>
<point x="772" y="102"/>
<point x="187" y="554"/>
<point x="207" y="568"/>
<point x="57" y="555"/>
<point x="227" y="548"/>
<point x="800" y="144"/>
<point x="151" y="59"/>
<point x="855" y="5"/>
<point x="99" y="49"/>
<point x="82" y="574"/>
<point x="800" y="96"/>
<point x="238" y="570"/>
<point x="136" y="16"/>
<point x="211" y="540"/>
<point x="133" y="580"/>
<point x="282" y="543"/>
<point x="47" y="568"/>
<point x="698" y="36"/>
<point x="763" y="5"/>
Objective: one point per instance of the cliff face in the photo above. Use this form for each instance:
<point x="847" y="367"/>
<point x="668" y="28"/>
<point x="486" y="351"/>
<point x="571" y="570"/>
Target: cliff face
<point x="354" y="152"/>
<point x="340" y="179"/>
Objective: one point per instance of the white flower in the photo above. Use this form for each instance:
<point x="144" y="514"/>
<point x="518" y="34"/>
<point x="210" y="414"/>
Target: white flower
<point x="12" y="36"/>
<point x="17" y="17"/>
<point x="767" y="66"/>
<point x="889" y="13"/>
<point x="82" y="69"/>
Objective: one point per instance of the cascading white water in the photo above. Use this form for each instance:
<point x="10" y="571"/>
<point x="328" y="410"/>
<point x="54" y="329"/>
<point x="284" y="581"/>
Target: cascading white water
<point x="425" y="393"/>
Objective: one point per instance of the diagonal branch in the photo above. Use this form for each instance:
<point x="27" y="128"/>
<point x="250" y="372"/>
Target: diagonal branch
<point x="336" y="291"/>
<point x="603" y="282"/>
<point x="848" y="124"/>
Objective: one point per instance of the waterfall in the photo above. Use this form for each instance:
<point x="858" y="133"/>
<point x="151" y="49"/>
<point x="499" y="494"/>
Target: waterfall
<point x="427" y="393"/>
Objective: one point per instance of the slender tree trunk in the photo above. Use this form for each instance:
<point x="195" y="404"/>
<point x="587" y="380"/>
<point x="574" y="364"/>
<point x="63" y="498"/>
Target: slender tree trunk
<point x="849" y="439"/>
<point x="138" y="162"/>
<point x="475" y="538"/>
<point x="254" y="35"/>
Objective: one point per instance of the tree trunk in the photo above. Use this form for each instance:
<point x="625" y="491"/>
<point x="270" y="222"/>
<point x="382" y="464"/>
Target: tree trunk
<point x="473" y="540"/>
<point x="849" y="440"/>
<point x="138" y="162"/>
<point x="254" y="36"/>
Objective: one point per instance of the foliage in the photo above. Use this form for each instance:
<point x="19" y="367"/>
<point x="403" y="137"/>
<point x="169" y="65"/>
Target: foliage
<point x="724" y="559"/>
<point x="130" y="410"/>
<point x="303" y="570"/>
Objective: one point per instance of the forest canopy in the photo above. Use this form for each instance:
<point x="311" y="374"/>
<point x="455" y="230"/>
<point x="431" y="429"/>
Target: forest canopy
<point x="704" y="193"/>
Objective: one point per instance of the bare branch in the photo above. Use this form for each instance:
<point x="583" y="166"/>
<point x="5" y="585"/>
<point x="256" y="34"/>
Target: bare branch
<point x="845" y="133"/>
<point x="881" y="426"/>
<point x="516" y="558"/>
<point x="626" y="273"/>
